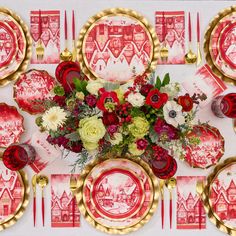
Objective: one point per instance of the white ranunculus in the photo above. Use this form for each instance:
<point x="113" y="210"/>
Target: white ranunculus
<point x="136" y="99"/>
<point x="116" y="139"/>
<point x="93" y="86"/>
<point x="172" y="89"/>
<point x="173" y="113"/>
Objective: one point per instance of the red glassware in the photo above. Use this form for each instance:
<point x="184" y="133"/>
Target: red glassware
<point x="225" y="106"/>
<point x="164" y="167"/>
<point x="17" y="157"/>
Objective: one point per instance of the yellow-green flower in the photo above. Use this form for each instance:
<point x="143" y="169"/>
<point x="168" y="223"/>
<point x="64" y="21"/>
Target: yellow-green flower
<point x="91" y="130"/>
<point x="120" y="95"/>
<point x="90" y="146"/>
<point x="80" y="96"/>
<point x="134" y="150"/>
<point x="139" y="127"/>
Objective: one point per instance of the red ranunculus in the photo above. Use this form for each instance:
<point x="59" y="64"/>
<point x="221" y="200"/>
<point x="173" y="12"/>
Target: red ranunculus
<point x="91" y="100"/>
<point x="142" y="144"/>
<point x="60" y="100"/>
<point x="156" y="99"/>
<point x="110" y="118"/>
<point x="186" y="102"/>
<point x="107" y="97"/>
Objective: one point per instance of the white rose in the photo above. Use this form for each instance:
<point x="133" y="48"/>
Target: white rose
<point x="116" y="139"/>
<point x="93" y="86"/>
<point x="136" y="99"/>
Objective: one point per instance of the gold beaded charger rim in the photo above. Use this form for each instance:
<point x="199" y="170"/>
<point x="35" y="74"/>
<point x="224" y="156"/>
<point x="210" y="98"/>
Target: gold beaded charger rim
<point x="117" y="12"/>
<point x="207" y="44"/>
<point x="28" y="50"/>
<point x="214" y="218"/>
<point x="85" y="212"/>
<point x="13" y="218"/>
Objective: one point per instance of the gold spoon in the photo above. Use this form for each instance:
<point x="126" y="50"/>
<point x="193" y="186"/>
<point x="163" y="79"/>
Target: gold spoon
<point x="66" y="55"/>
<point x="171" y="184"/>
<point x="42" y="181"/>
<point x="161" y="184"/>
<point x="200" y="189"/>
<point x="234" y="125"/>
<point x="190" y="57"/>
<point x="33" y="182"/>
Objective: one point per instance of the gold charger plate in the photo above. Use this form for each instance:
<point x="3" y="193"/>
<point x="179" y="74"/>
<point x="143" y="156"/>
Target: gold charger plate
<point x="218" y="212"/>
<point x="20" y="199"/>
<point x="115" y="31"/>
<point x="28" y="51"/>
<point x="207" y="44"/>
<point x="112" y="227"/>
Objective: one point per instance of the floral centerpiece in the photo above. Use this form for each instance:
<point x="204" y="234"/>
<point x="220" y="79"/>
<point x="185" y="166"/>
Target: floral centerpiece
<point x="140" y="118"/>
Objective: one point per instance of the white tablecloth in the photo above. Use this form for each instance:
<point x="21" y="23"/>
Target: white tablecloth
<point x="85" y="9"/>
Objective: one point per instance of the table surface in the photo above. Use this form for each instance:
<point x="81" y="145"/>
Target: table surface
<point x="180" y="73"/>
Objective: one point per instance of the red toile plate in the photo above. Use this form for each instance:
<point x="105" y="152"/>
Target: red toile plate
<point x="117" y="45"/>
<point x="118" y="195"/>
<point x="11" y="125"/>
<point x="210" y="148"/>
<point x="227" y="45"/>
<point x="14" y="195"/>
<point x="8" y="45"/>
<point x="31" y="89"/>
<point x="23" y="45"/>
<point x="219" y="46"/>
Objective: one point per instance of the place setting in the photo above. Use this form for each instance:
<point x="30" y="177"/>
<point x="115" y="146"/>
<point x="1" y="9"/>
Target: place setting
<point x="97" y="131"/>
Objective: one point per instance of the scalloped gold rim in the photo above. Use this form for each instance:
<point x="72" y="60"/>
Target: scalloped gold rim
<point x="118" y="11"/>
<point x="18" y="214"/>
<point x="207" y="40"/>
<point x="28" y="52"/>
<point x="82" y="207"/>
<point x="206" y="200"/>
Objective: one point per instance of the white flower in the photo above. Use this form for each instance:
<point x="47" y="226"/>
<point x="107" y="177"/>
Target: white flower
<point x="54" y="118"/>
<point x="172" y="89"/>
<point x="173" y="113"/>
<point x="136" y="99"/>
<point x="93" y="86"/>
<point x="124" y="87"/>
<point x="116" y="139"/>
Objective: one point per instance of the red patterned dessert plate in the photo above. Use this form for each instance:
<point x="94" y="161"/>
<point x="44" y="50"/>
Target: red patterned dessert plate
<point x="210" y="148"/>
<point x="11" y="125"/>
<point x="8" y="45"/>
<point x="117" y="194"/>
<point x="31" y="89"/>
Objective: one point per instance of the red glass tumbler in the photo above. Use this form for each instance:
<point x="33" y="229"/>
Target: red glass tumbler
<point x="16" y="157"/>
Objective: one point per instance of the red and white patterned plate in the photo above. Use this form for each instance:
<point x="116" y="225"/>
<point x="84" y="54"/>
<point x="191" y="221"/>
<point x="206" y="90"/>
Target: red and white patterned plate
<point x="21" y="45"/>
<point x="219" y="46"/>
<point x="31" y="89"/>
<point x="118" y="193"/>
<point x="223" y="195"/>
<point x="8" y="45"/>
<point x="11" y="125"/>
<point x="210" y="149"/>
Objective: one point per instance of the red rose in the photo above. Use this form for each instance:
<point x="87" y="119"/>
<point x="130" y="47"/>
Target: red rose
<point x="91" y="100"/>
<point x="142" y="144"/>
<point x="107" y="98"/>
<point x="60" y="100"/>
<point x="145" y="89"/>
<point x="186" y="102"/>
<point x="75" y="147"/>
<point x="156" y="99"/>
<point x="110" y="118"/>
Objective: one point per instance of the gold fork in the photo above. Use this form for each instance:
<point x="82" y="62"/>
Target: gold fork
<point x="40" y="48"/>
<point x="73" y="189"/>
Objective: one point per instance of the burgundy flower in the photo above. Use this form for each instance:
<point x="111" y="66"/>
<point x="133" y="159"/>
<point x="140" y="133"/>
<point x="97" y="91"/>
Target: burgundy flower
<point x="165" y="131"/>
<point x="156" y="99"/>
<point x="145" y="89"/>
<point x="110" y="118"/>
<point x="91" y="100"/>
<point x="75" y="147"/>
<point x="60" y="141"/>
<point x="111" y="129"/>
<point x="142" y="144"/>
<point x="60" y="100"/>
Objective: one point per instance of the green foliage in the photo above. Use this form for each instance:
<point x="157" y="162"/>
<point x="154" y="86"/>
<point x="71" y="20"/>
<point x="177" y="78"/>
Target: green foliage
<point x="80" y="85"/>
<point x="73" y="137"/>
<point x="166" y="80"/>
<point x="158" y="83"/>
